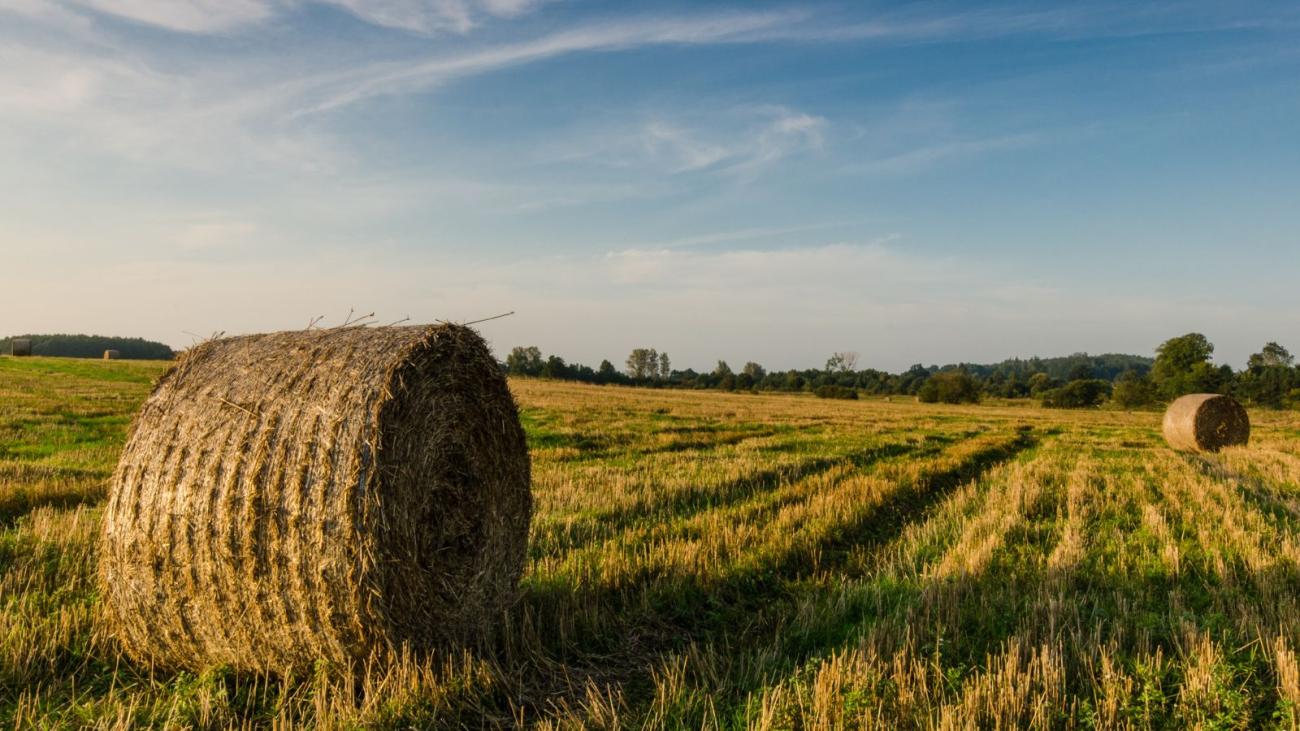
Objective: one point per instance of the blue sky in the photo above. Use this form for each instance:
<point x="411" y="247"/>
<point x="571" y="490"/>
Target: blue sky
<point x="919" y="182"/>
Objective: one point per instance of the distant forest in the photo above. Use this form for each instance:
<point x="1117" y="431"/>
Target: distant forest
<point x="91" y="346"/>
<point x="1181" y="365"/>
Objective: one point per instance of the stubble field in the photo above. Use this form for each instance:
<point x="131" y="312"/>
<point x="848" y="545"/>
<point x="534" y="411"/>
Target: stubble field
<point x="707" y="560"/>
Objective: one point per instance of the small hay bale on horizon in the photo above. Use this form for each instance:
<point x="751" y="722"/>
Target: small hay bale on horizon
<point x="20" y="347"/>
<point x="1206" y="422"/>
<point x="111" y="354"/>
<point x="338" y="495"/>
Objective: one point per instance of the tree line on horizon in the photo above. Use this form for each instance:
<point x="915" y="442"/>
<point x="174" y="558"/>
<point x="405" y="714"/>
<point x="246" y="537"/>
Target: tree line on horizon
<point x="63" y="345"/>
<point x="1181" y="365"/>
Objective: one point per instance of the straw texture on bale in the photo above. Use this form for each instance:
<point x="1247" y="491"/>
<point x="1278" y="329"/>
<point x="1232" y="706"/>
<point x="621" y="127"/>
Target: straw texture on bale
<point x="1206" y="422"/>
<point x="112" y="355"/>
<point x="20" y="346"/>
<point x="338" y="494"/>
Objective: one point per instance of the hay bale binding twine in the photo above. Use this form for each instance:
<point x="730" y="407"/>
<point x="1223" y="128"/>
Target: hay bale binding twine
<point x="1206" y="422"/>
<point x="324" y="494"/>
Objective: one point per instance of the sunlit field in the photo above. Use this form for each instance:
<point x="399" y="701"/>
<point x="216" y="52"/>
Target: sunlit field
<point x="709" y="560"/>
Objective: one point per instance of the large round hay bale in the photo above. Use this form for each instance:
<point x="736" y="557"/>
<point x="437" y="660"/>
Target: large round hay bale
<point x="20" y="347"/>
<point x="112" y="354"/>
<point x="1206" y="422"/>
<point x="325" y="494"/>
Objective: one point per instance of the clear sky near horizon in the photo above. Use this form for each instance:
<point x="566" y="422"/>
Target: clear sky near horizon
<point x="919" y="182"/>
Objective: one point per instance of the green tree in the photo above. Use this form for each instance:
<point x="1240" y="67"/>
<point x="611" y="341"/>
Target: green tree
<point x="643" y="364"/>
<point x="836" y="392"/>
<point x="1269" y="377"/>
<point x="1183" y="366"/>
<point x="1133" y="390"/>
<point x="1272" y="356"/>
<point x="1080" y="393"/>
<point x="1080" y="372"/>
<point x="950" y="387"/>
<point x="665" y="367"/>
<point x="911" y="380"/>
<point x="606" y="373"/>
<point x="794" y="381"/>
<point x="754" y="370"/>
<point x="524" y="361"/>
<point x="1039" y="383"/>
<point x="722" y="370"/>
<point x="555" y="367"/>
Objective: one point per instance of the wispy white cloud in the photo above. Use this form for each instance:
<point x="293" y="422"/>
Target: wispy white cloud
<point x="186" y="16"/>
<point x="434" y="16"/>
<point x="786" y="133"/>
<point x="922" y="23"/>
<point x="414" y="75"/>
<point x="683" y="151"/>
<point x="927" y="156"/>
<point x="263" y="90"/>
<point x="47" y="13"/>
<point x="510" y="8"/>
<point x="207" y="17"/>
<point x="128" y="103"/>
<point x="739" y="141"/>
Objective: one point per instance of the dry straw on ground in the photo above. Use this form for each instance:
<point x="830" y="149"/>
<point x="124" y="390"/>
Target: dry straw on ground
<point x="20" y="346"/>
<point x="112" y="355"/>
<point x="1206" y="422"/>
<point x="322" y="494"/>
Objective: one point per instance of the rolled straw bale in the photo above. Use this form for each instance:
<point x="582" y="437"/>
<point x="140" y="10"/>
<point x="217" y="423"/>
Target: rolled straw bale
<point x="20" y="346"/>
<point x="324" y="494"/>
<point x="112" y="355"/>
<point x="1206" y="422"/>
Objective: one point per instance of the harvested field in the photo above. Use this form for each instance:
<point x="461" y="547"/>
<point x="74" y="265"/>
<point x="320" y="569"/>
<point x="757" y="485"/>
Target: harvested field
<point x="700" y="559"/>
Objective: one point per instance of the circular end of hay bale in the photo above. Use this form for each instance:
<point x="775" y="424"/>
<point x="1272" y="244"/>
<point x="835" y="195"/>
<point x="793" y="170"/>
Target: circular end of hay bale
<point x="337" y="495"/>
<point x="1206" y="422"/>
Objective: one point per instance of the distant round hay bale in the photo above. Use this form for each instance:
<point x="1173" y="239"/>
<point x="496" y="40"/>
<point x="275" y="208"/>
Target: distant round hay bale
<point x="325" y="494"/>
<point x="1206" y="422"/>
<point x="20" y="347"/>
<point x="112" y="354"/>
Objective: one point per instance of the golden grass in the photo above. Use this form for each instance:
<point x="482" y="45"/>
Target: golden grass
<point x="745" y="561"/>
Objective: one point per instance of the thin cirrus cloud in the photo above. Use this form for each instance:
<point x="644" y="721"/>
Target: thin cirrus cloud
<point x="738" y="142"/>
<point x="434" y="16"/>
<point x="281" y="95"/>
<point x="414" y="75"/>
<point x="774" y="135"/>
<point x="185" y="16"/>
<point x="927" y="156"/>
<point x="333" y="86"/>
<point x="204" y="17"/>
